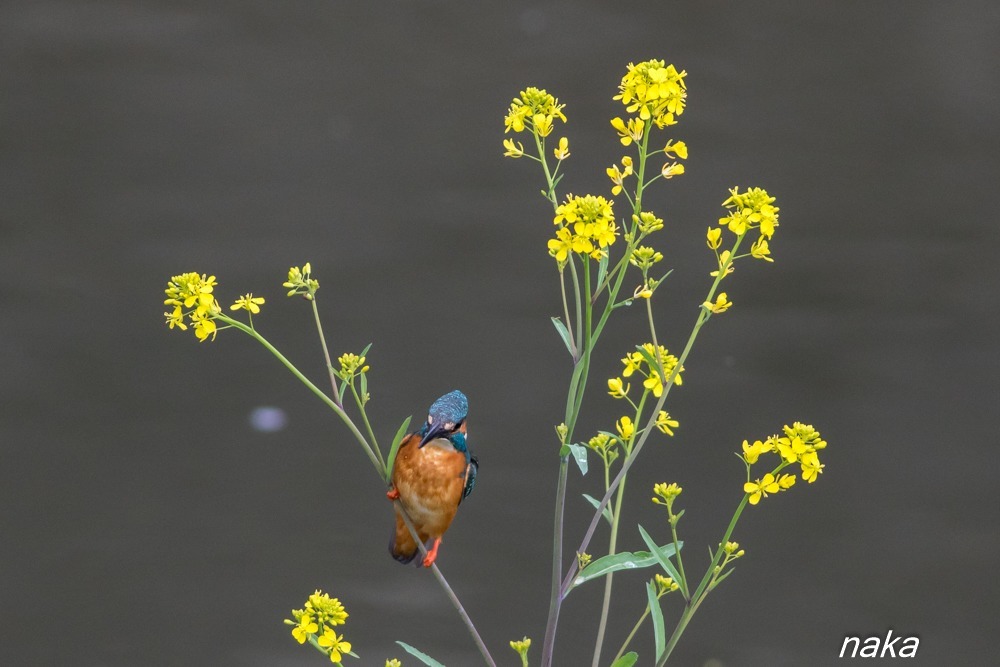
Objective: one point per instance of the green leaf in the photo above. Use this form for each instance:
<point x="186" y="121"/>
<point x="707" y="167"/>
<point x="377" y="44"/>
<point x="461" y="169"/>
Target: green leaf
<point x="625" y="560"/>
<point x="563" y="332"/>
<point x="602" y="269"/>
<point x="659" y="634"/>
<point x="662" y="554"/>
<point x="606" y="512"/>
<point x="364" y="352"/>
<point x="419" y="655"/>
<point x="396" y="441"/>
<point x="580" y="456"/>
<point x="626" y="660"/>
<point x="723" y="577"/>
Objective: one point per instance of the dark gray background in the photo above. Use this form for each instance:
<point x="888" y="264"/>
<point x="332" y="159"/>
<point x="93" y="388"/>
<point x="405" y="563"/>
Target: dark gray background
<point x="144" y="522"/>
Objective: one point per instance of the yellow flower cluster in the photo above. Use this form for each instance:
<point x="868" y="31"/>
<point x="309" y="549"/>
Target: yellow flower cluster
<point x="300" y="281"/>
<point x="586" y="226"/>
<point x="666" y="493"/>
<point x="752" y="209"/>
<point x="800" y="444"/>
<point x="191" y="295"/>
<point x="351" y="365"/>
<point x="317" y="621"/>
<point x="533" y="109"/>
<point x="664" y="585"/>
<point x="605" y="446"/>
<point x="645" y="362"/>
<point x="655" y="90"/>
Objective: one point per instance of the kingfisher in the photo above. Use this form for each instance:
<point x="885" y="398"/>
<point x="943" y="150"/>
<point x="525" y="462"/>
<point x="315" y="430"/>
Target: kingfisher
<point x="434" y="470"/>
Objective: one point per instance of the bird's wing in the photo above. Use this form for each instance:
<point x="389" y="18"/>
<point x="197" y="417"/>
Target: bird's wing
<point x="470" y="476"/>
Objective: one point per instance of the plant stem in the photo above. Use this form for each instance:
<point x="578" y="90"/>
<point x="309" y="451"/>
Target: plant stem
<point x="446" y="587"/>
<point x="609" y="580"/>
<point x="379" y="466"/>
<point x="635" y="629"/>
<point x="702" y="592"/>
<point x="326" y="355"/>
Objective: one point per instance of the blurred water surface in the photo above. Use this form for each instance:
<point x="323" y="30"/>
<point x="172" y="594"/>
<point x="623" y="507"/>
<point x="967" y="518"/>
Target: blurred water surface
<point x="146" y="521"/>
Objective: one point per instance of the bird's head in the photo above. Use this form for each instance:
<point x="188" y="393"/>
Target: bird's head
<point x="446" y="419"/>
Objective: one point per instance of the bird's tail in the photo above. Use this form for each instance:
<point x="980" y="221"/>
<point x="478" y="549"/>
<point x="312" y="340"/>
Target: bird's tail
<point x="401" y="544"/>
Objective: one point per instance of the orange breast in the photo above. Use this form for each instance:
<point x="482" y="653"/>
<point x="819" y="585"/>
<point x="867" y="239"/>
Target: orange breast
<point x="430" y="481"/>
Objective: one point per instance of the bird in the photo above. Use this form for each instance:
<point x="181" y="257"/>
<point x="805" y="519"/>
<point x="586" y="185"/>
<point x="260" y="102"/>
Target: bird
<point x="433" y="471"/>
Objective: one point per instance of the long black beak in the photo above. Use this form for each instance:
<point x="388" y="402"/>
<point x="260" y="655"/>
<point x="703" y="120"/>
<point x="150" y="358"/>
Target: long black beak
<point x="436" y="430"/>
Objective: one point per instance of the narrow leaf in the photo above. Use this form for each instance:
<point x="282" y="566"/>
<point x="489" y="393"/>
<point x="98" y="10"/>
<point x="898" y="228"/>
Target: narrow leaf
<point x="659" y="635"/>
<point x="364" y="352"/>
<point x="606" y="512"/>
<point x="580" y="456"/>
<point x="650" y="359"/>
<point x="723" y="577"/>
<point x="661" y="554"/>
<point x="625" y="560"/>
<point x="561" y="328"/>
<point x="396" y="442"/>
<point x="626" y="660"/>
<point x="602" y="269"/>
<point x="419" y="655"/>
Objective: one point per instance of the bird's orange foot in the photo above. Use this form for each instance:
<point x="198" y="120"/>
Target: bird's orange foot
<point x="432" y="554"/>
<point x="392" y="494"/>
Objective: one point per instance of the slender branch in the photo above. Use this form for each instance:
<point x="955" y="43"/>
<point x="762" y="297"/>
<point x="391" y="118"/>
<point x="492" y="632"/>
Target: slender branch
<point x="446" y="587"/>
<point x="364" y="417"/>
<point x="326" y="355"/>
<point x="635" y="629"/>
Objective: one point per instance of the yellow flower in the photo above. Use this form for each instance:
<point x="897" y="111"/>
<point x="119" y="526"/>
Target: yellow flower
<point x="678" y="148"/>
<point x="625" y="428"/>
<point x="300" y="281"/>
<point x="630" y="132"/>
<point x="750" y="210"/>
<point x="644" y="257"/>
<point x="618" y="176"/>
<point x="655" y="90"/>
<point x="335" y="643"/>
<point x="204" y="326"/>
<point x="562" y="152"/>
<point x="566" y="242"/>
<point x="249" y="303"/>
<point x="666" y="493"/>
<point x="809" y="436"/>
<point x="664" y="585"/>
<point x="583" y="560"/>
<point x="733" y="550"/>
<point x="672" y="169"/>
<point x="786" y="481"/>
<point x="522" y="649"/>
<point x="665" y="423"/>
<point x="393" y="663"/>
<point x="760" y="488"/>
<point x="647" y="222"/>
<point x="752" y="452"/>
<point x="759" y="249"/>
<point x="721" y="304"/>
<point x="791" y="448"/>
<point x="617" y="389"/>
<point x="534" y="109"/>
<point x="514" y="149"/>
<point x="811" y="467"/>
<point x="306" y="626"/>
<point x="351" y="365"/>
<point x="714" y="238"/>
<point x="643" y="291"/>
<point x="633" y="362"/>
<point x="176" y="318"/>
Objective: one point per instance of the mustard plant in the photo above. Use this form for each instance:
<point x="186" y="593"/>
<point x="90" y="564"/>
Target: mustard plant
<point x="605" y="261"/>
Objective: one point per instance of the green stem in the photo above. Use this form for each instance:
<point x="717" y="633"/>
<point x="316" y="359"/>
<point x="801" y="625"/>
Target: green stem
<point x="569" y="323"/>
<point x="609" y="580"/>
<point x="635" y="629"/>
<point x="702" y="592"/>
<point x="379" y="466"/>
<point x="364" y="417"/>
<point x="326" y="355"/>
